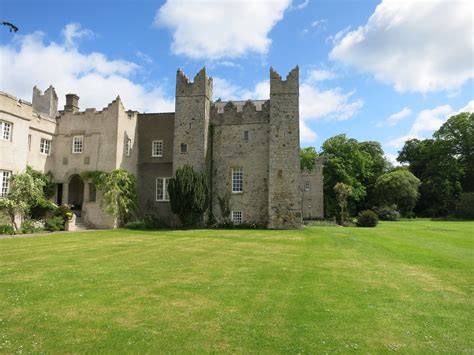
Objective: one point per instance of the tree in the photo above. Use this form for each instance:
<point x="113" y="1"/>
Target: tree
<point x="357" y="164"/>
<point x="440" y="173"/>
<point x="458" y="133"/>
<point x="25" y="190"/>
<point x="119" y="192"/>
<point x="399" y="187"/>
<point x="307" y="158"/>
<point x="189" y="196"/>
<point x="342" y="191"/>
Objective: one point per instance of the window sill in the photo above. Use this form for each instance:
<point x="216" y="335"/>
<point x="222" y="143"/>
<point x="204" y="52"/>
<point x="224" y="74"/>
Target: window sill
<point x="237" y="192"/>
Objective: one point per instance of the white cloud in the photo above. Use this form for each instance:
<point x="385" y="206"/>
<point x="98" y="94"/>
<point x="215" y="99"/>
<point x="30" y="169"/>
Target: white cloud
<point x="301" y="5"/>
<point x="74" y="31"/>
<point x="220" y="28"/>
<point x="30" y="61"/>
<point x="426" y="121"/>
<point x="468" y="108"/>
<point x="392" y="158"/>
<point x="393" y="120"/>
<point x="416" y="45"/>
<point x="316" y="75"/>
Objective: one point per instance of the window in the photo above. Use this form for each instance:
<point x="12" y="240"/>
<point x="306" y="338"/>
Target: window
<point x="306" y="186"/>
<point x="77" y="144"/>
<point x="237" y="217"/>
<point x="92" y="192"/>
<point x="4" y="182"/>
<point x="157" y="149"/>
<point x="162" y="189"/>
<point x="45" y="146"/>
<point x="5" y="130"/>
<point x="246" y="135"/>
<point x="184" y="148"/>
<point x="237" y="180"/>
<point x="128" y="147"/>
<point x="29" y="142"/>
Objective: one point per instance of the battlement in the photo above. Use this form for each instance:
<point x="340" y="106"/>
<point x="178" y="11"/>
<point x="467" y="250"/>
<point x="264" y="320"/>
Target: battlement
<point x="240" y="112"/>
<point x="91" y="110"/>
<point x="45" y="103"/>
<point x="200" y="86"/>
<point x="288" y="86"/>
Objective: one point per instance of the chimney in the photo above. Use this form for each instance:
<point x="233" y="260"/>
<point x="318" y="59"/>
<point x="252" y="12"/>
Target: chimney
<point x="72" y="103"/>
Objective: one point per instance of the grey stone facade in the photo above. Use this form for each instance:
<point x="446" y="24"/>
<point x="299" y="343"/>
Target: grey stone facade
<point x="249" y="150"/>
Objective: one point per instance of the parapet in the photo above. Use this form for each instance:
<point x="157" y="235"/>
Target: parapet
<point x="200" y="86"/>
<point x="240" y="112"/>
<point x="46" y="103"/>
<point x="288" y="86"/>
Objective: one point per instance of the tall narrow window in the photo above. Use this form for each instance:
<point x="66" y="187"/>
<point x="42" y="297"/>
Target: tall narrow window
<point x="162" y="189"/>
<point x="157" y="149"/>
<point x="237" y="217"/>
<point x="5" y="130"/>
<point x="92" y="192"/>
<point x="77" y="144"/>
<point x="128" y="147"/>
<point x="45" y="146"/>
<point x="184" y="148"/>
<point x="29" y="142"/>
<point x="307" y="186"/>
<point x="237" y="180"/>
<point x="246" y="135"/>
<point x="4" y="182"/>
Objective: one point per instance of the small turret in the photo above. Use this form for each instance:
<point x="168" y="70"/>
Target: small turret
<point x="46" y="103"/>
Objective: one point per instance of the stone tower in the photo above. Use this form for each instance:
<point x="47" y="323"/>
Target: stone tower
<point x="47" y="102"/>
<point x="284" y="200"/>
<point x="191" y="127"/>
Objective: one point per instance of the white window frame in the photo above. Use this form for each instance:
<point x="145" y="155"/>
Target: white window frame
<point x="307" y="186"/>
<point x="75" y="147"/>
<point x="237" y="180"/>
<point x="5" y="176"/>
<point x="157" y="148"/>
<point x="237" y="217"/>
<point x="6" y="129"/>
<point x="128" y="147"/>
<point x="162" y="183"/>
<point x="45" y="146"/>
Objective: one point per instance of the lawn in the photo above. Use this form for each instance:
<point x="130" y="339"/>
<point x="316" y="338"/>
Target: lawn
<point x="403" y="286"/>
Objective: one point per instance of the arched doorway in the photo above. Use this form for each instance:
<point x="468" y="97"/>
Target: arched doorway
<point x="76" y="192"/>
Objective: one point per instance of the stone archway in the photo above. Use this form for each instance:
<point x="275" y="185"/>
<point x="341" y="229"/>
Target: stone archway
<point x="76" y="192"/>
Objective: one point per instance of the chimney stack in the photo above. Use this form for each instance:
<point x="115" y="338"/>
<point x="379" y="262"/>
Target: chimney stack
<point x="72" y="103"/>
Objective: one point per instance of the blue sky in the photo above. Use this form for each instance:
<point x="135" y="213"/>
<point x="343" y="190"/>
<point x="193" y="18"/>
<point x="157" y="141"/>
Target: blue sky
<point x="375" y="70"/>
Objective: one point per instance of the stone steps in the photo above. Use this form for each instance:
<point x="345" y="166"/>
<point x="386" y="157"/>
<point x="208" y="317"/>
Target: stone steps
<point x="82" y="225"/>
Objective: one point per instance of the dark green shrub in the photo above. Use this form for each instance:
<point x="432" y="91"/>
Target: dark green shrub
<point x="465" y="206"/>
<point x="6" y="229"/>
<point x="387" y="213"/>
<point x="149" y="222"/>
<point x="54" y="224"/>
<point x="367" y="218"/>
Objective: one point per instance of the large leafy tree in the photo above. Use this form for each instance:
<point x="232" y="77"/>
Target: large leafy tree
<point x="26" y="190"/>
<point x="119" y="192"/>
<point x="189" y="195"/>
<point x="440" y="173"/>
<point x="307" y="158"/>
<point x="398" y="187"/>
<point x="356" y="164"/>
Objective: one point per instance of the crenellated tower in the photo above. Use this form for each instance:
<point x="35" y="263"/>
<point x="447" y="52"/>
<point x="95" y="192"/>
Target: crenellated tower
<point x="284" y="195"/>
<point x="191" y="127"/>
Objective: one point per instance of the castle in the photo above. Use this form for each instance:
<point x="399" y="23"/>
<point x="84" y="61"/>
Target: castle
<point x="249" y="151"/>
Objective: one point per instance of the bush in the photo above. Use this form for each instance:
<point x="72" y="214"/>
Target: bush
<point x="387" y="213"/>
<point x="32" y="226"/>
<point x="150" y="222"/>
<point x="54" y="224"/>
<point x="367" y="218"/>
<point x="64" y="211"/>
<point x="6" y="229"/>
<point x="465" y="206"/>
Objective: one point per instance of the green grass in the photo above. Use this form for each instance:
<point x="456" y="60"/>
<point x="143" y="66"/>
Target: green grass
<point x="403" y="286"/>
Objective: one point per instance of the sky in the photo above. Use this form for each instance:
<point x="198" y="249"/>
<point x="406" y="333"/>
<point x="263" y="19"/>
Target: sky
<point x="383" y="70"/>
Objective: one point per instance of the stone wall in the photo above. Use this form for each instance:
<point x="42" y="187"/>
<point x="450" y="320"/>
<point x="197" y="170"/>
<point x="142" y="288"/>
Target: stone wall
<point x="232" y="147"/>
<point x="284" y="206"/>
<point x="193" y="100"/>
<point x="312" y="196"/>
<point x="156" y="126"/>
